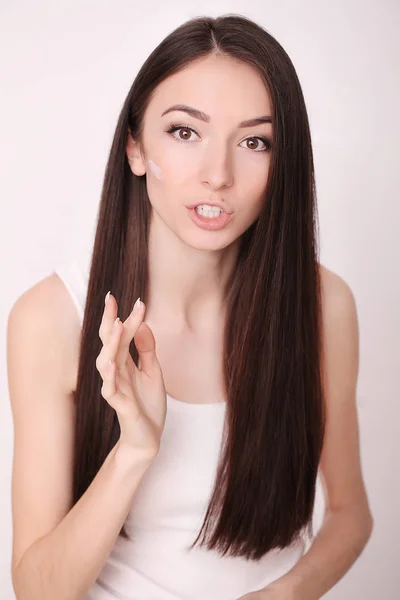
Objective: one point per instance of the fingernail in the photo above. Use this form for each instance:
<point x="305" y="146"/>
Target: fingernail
<point x="107" y="297"/>
<point x="136" y="306"/>
<point x="115" y="326"/>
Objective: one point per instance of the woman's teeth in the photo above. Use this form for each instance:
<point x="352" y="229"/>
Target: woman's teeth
<point x="208" y="211"/>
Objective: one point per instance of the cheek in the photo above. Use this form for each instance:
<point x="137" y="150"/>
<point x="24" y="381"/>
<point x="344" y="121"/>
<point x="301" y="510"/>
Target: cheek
<point x="170" y="171"/>
<point x="254" y="186"/>
<point x="164" y="181"/>
<point x="155" y="169"/>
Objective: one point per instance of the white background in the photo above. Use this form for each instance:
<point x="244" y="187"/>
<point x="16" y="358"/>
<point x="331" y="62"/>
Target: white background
<point x="65" y="70"/>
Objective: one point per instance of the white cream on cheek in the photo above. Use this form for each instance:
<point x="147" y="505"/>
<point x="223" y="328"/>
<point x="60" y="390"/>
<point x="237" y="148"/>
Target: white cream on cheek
<point x="155" y="169"/>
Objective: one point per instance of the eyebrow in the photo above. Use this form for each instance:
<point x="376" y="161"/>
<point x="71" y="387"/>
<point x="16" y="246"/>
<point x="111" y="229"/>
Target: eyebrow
<point x="198" y="114"/>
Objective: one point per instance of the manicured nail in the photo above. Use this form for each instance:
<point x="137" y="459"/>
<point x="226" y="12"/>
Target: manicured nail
<point x="136" y="306"/>
<point x="107" y="297"/>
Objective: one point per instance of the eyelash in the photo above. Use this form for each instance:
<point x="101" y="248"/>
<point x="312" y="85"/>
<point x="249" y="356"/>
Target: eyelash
<point x="174" y="127"/>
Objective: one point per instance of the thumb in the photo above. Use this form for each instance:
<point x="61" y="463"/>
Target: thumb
<point x="146" y="347"/>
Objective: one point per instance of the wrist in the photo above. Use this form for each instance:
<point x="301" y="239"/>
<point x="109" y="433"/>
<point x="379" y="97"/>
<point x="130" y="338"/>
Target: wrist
<point x="128" y="460"/>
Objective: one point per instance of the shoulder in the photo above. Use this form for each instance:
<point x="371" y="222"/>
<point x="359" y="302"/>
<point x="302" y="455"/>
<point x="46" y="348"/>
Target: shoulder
<point x="46" y="303"/>
<point x="337" y="297"/>
<point x="45" y="314"/>
<point x="340" y="332"/>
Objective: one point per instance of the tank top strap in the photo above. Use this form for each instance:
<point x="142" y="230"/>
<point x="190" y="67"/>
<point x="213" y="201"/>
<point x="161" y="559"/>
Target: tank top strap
<point x="75" y="276"/>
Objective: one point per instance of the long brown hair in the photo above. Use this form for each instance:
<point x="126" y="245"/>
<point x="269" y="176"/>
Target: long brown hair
<point x="275" y="419"/>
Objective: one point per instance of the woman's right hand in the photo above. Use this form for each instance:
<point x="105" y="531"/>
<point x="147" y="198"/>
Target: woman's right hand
<point x="137" y="395"/>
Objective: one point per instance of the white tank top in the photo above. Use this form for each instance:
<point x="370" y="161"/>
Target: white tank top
<point x="169" y="507"/>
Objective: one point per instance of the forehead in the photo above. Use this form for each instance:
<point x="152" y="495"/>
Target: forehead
<point x="221" y="86"/>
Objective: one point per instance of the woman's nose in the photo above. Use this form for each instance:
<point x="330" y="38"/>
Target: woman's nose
<point x="217" y="167"/>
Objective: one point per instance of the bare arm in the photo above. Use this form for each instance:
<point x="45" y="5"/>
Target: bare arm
<point x="66" y="562"/>
<point x="348" y="521"/>
<point x="58" y="549"/>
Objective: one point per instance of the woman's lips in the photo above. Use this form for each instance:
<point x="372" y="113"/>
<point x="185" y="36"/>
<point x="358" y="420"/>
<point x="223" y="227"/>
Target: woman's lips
<point x="210" y="224"/>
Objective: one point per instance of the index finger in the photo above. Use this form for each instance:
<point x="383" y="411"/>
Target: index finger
<point x="110" y="313"/>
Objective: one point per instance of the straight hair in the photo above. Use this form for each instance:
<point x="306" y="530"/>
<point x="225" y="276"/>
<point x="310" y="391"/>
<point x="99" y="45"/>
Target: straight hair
<point x="264" y="489"/>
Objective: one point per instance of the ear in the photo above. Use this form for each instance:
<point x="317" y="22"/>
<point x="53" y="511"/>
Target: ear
<point x="135" y="157"/>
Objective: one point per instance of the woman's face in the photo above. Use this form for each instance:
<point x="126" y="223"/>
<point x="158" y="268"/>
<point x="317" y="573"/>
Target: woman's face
<point x="206" y="160"/>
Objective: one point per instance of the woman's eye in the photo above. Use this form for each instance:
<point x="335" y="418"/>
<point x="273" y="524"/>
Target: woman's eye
<point x="184" y="129"/>
<point x="265" y="141"/>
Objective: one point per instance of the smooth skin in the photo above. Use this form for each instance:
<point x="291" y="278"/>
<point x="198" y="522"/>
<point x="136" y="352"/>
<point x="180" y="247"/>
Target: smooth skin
<point x="58" y="550"/>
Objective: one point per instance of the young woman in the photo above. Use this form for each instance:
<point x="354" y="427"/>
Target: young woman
<point x="172" y="451"/>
